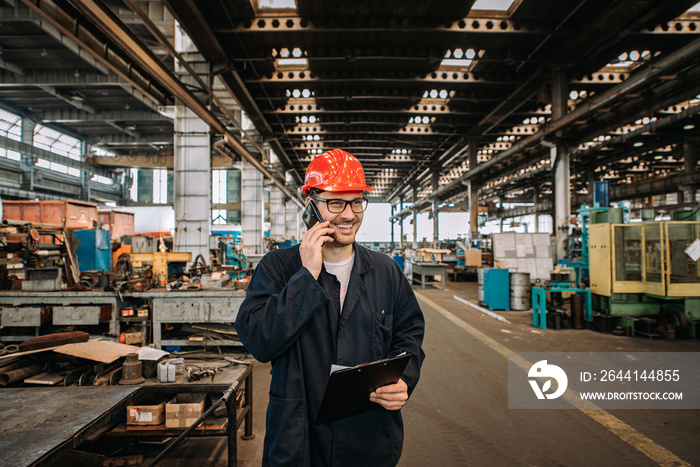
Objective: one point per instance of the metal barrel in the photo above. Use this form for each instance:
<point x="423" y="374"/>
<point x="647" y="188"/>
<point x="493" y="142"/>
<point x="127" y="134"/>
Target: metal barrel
<point x="481" y="273"/>
<point x="520" y="291"/>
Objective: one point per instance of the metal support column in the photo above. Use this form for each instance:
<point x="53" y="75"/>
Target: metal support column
<point x="251" y="210"/>
<point x="435" y="184"/>
<point x="291" y="228"/>
<point x="84" y="175"/>
<point x="401" y="221"/>
<point x="473" y="192"/>
<point x="535" y="201"/>
<point x="415" y="217"/>
<point x="192" y="183"/>
<point x="690" y="159"/>
<point x="278" y="217"/>
<point x="560" y="167"/>
<point x="191" y="162"/>
<point x="393" y="208"/>
<point x="26" y="160"/>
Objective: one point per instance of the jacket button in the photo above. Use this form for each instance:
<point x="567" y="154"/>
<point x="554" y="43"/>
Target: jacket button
<point x="341" y="330"/>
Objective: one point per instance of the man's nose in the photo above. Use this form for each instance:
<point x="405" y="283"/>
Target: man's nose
<point x="347" y="211"/>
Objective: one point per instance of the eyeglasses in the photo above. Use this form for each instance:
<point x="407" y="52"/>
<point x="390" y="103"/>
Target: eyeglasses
<point x="336" y="206"/>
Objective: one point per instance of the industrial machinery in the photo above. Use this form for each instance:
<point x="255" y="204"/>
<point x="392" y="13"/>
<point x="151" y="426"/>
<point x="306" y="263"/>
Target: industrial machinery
<point x="31" y="246"/>
<point x="227" y="254"/>
<point x="645" y="275"/>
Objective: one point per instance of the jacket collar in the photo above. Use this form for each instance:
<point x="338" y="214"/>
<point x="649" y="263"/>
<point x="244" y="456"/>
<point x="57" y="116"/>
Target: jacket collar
<point x="363" y="262"/>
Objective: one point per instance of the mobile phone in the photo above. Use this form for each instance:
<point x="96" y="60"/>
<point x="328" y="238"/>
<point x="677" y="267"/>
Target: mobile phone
<point x="311" y="215"/>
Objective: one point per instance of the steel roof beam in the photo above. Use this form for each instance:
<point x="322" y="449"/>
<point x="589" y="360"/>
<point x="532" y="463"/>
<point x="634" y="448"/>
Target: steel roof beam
<point x="440" y="77"/>
<point x="644" y="77"/>
<point x="128" y="44"/>
<point x="76" y="116"/>
<point x="61" y="78"/>
<point x="296" y="24"/>
<point x="71" y="28"/>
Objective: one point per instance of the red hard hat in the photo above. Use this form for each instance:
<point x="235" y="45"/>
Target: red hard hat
<point x="335" y="170"/>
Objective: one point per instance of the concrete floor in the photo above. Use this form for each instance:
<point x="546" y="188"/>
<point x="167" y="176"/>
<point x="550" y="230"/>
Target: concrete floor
<point x="458" y="414"/>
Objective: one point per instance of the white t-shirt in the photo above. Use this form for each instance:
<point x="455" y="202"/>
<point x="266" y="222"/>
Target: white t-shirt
<point x="341" y="270"/>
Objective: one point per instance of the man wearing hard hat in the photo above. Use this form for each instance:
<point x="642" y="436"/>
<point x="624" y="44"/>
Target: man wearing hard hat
<point x="331" y="301"/>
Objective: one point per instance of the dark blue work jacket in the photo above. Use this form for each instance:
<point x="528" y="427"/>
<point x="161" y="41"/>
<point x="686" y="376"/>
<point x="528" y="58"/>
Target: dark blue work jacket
<point x="294" y="320"/>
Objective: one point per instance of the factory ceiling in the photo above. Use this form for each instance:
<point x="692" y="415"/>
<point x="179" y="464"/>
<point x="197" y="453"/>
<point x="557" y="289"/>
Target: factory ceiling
<point x="430" y="95"/>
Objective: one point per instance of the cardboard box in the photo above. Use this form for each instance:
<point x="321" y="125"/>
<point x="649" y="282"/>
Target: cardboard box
<point x="132" y="336"/>
<point x="472" y="258"/>
<point x="183" y="410"/>
<point x="431" y="254"/>
<point x="150" y="412"/>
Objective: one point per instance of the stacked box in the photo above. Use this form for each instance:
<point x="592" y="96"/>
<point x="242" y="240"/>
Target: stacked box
<point x="183" y="410"/>
<point x="150" y="412"/>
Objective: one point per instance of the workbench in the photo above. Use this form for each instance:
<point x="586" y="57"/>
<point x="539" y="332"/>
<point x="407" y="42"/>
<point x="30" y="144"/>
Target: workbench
<point x="539" y="303"/>
<point x="425" y="272"/>
<point x="39" y="425"/>
<point x="204" y="306"/>
<point x="23" y="309"/>
<point x="196" y="306"/>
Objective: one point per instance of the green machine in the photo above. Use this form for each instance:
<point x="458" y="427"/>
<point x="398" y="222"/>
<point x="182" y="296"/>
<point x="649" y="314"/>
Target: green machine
<point x="645" y="276"/>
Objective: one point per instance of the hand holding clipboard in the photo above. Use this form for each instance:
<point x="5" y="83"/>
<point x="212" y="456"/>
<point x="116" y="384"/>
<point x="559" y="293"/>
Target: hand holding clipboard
<point x="348" y="390"/>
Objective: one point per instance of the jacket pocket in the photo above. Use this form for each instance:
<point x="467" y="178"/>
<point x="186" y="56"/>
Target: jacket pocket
<point x="382" y="326"/>
<point x="286" y="432"/>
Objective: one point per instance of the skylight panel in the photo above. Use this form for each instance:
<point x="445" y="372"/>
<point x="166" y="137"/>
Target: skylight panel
<point x="277" y="4"/>
<point x="497" y="5"/>
<point x="458" y="58"/>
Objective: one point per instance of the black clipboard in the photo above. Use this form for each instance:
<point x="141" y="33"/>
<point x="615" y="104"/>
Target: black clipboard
<point x="347" y="392"/>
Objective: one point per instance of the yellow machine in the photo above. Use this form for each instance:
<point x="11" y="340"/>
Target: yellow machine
<point x="645" y="270"/>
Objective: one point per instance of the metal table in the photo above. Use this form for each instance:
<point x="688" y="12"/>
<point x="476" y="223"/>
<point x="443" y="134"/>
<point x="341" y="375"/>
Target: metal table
<point x="241" y="373"/>
<point x="38" y="425"/>
<point x="425" y="272"/>
<point x="539" y="303"/>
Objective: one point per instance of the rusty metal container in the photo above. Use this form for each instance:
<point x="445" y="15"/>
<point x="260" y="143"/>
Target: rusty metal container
<point x="69" y="213"/>
<point x="120" y="223"/>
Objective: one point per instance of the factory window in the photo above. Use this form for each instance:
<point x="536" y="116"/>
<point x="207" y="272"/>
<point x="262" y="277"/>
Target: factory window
<point x="246" y="123"/>
<point x="160" y="186"/>
<point x="134" y="189"/>
<point x="218" y="187"/>
<point x="218" y="216"/>
<point x="57" y="143"/>
<point x="11" y="128"/>
<point x="99" y="152"/>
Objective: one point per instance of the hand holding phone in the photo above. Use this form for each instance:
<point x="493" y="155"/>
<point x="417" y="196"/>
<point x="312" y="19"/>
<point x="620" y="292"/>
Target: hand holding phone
<point x="311" y="248"/>
<point x="311" y="215"/>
